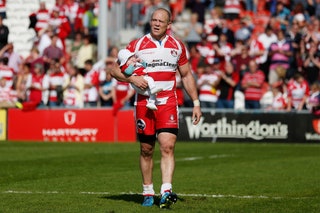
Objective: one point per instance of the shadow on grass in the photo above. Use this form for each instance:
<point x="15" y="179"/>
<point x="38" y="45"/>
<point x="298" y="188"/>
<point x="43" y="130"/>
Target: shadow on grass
<point x="135" y="198"/>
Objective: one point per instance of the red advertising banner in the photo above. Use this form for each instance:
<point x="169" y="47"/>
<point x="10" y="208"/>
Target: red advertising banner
<point x="71" y="125"/>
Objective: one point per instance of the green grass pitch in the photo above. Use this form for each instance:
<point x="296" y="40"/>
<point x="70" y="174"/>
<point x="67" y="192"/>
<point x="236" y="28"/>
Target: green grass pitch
<point x="209" y="177"/>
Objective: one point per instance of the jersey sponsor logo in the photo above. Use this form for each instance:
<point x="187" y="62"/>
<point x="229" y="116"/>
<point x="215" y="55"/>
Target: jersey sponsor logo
<point x="161" y="63"/>
<point x="141" y="124"/>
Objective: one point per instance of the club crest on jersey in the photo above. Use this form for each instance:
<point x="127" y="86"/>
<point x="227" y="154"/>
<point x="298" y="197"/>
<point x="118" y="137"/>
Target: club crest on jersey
<point x="141" y="124"/>
<point x="174" y="53"/>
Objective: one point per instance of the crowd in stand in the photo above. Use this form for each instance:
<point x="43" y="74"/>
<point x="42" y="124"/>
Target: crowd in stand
<point x="245" y="54"/>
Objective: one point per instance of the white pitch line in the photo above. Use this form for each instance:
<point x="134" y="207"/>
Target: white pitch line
<point x="200" y="158"/>
<point x="134" y="193"/>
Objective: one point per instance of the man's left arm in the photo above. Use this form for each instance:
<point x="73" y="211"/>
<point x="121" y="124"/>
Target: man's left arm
<point x="189" y="84"/>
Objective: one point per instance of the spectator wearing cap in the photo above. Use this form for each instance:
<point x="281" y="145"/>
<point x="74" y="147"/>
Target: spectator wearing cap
<point x="252" y="85"/>
<point x="207" y="84"/>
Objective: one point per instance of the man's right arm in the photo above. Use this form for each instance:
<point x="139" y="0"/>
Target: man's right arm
<point x="138" y="81"/>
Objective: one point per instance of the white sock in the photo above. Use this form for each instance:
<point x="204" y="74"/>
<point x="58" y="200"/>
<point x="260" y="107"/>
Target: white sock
<point x="166" y="187"/>
<point x="148" y="190"/>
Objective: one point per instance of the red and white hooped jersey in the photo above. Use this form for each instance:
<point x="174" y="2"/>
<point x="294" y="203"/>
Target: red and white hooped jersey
<point x="162" y="59"/>
<point x="297" y="91"/>
<point x="7" y="73"/>
<point x="56" y="79"/>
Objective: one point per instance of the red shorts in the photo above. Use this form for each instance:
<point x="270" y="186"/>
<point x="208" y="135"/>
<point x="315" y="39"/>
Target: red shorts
<point x="148" y="122"/>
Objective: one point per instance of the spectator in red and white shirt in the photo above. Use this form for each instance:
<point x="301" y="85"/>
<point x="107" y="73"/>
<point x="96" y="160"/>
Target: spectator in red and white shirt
<point x="207" y="84"/>
<point x="252" y="84"/>
<point x="91" y="85"/>
<point x="232" y="9"/>
<point x="57" y="79"/>
<point x="298" y="92"/>
<point x="6" y="72"/>
<point x="279" y="100"/>
<point x="60" y="25"/>
<point x="14" y="58"/>
<point x="42" y="17"/>
<point x="8" y="96"/>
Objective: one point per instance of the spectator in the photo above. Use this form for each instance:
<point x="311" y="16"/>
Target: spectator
<point x="4" y="34"/>
<point x="8" y="97"/>
<point x="91" y="85"/>
<point x="266" y="38"/>
<point x="311" y="64"/>
<point x="279" y="101"/>
<point x="212" y="21"/>
<point x="14" y="58"/>
<point x="208" y="83"/>
<point x="87" y="51"/>
<point x="280" y="54"/>
<point x="199" y="7"/>
<point x="256" y="49"/>
<point x="313" y="101"/>
<point x="45" y="40"/>
<point x="57" y="80"/>
<point x="244" y="32"/>
<point x="38" y="90"/>
<point x="41" y="18"/>
<point x="23" y="82"/>
<point x="224" y="29"/>
<point x="90" y="22"/>
<point x="78" y="20"/>
<point x="298" y="92"/>
<point x="75" y="46"/>
<point x="251" y="5"/>
<point x="60" y="25"/>
<point x="280" y="19"/>
<point x="34" y="58"/>
<point x="206" y="49"/>
<point x="232" y="9"/>
<point x="252" y="85"/>
<point x="193" y="31"/>
<point x="7" y="72"/>
<point x="105" y="87"/>
<point x="73" y="88"/>
<point x="241" y="61"/>
<point x="53" y="53"/>
<point x="195" y="60"/>
<point x="229" y="81"/>
<point x="145" y="13"/>
<point x="223" y="48"/>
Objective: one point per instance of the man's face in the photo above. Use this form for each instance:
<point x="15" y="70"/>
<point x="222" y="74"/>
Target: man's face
<point x="159" y="24"/>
